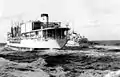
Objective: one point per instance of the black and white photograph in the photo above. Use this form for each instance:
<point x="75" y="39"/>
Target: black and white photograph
<point x="59" y="38"/>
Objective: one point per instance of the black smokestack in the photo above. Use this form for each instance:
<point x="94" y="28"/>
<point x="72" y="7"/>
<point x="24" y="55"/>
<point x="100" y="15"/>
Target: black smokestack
<point x="46" y="15"/>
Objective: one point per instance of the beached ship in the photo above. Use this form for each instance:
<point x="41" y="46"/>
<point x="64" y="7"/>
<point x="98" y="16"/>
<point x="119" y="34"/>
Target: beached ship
<point x="39" y="34"/>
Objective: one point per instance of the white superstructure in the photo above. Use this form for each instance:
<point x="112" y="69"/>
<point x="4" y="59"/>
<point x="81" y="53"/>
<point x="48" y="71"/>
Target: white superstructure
<point x="38" y="34"/>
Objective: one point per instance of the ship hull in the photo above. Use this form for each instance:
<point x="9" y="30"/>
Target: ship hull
<point x="39" y="44"/>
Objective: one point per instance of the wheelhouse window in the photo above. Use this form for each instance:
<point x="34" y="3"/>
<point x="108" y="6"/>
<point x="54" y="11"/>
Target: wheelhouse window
<point x="55" y="33"/>
<point x="36" y="25"/>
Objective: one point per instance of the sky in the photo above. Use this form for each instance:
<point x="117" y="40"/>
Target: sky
<point x="94" y="19"/>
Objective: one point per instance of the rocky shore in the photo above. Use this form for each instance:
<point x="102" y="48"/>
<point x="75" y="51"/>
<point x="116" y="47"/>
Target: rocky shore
<point x="88" y="62"/>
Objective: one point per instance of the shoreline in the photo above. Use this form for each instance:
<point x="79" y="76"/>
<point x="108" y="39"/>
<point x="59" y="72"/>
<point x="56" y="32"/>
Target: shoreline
<point x="64" y="63"/>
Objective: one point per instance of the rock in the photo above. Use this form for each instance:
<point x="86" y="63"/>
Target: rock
<point x="38" y="63"/>
<point x="57" y="72"/>
<point x="113" y="74"/>
<point x="38" y="73"/>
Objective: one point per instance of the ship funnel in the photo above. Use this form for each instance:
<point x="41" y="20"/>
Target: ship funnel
<point x="45" y="19"/>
